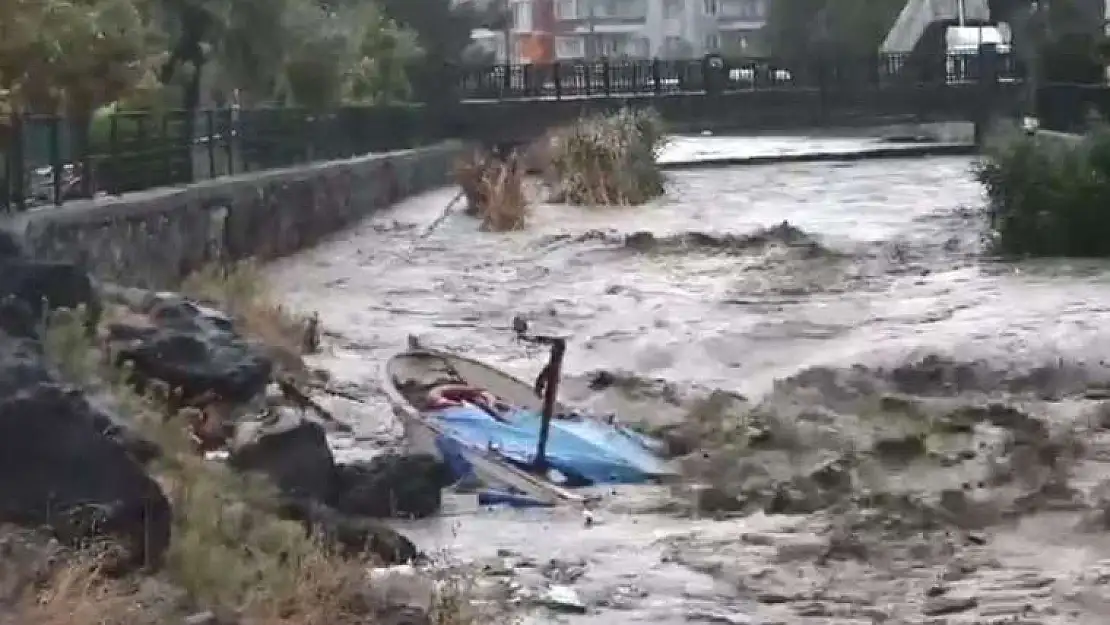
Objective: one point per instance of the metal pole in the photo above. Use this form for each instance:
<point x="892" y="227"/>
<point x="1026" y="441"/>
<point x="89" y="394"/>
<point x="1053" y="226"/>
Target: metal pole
<point x="507" y="33"/>
<point x="1034" y="33"/>
<point x="551" y="373"/>
<point x="591" y="38"/>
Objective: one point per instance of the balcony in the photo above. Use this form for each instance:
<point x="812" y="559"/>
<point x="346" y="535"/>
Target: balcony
<point x="576" y="15"/>
<point x="742" y="14"/>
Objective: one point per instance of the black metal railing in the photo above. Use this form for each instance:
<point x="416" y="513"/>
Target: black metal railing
<point x="48" y="159"/>
<point x="640" y="77"/>
<point x="1074" y="108"/>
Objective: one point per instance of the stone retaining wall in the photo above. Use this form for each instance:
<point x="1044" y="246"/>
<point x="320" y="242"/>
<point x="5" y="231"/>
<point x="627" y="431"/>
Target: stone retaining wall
<point x="154" y="238"/>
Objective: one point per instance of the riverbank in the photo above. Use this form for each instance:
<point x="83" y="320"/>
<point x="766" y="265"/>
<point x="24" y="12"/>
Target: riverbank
<point x="155" y="238"/>
<point x="877" y="289"/>
<point x="870" y="311"/>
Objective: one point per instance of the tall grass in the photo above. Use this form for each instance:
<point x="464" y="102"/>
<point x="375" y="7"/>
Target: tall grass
<point x="1048" y="196"/>
<point x="608" y="160"/>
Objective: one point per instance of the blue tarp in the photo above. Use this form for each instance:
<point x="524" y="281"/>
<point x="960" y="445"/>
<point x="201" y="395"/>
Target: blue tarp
<point x="584" y="450"/>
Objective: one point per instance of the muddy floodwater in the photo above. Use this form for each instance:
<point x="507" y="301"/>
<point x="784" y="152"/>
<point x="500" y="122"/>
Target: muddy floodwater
<point x="825" y="294"/>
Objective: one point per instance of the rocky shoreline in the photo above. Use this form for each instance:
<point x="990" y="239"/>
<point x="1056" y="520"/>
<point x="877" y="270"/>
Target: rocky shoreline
<point x="106" y="393"/>
<point x="856" y="494"/>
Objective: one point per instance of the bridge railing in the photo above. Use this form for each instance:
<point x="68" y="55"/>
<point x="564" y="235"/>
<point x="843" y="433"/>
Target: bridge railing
<point x="645" y="77"/>
<point x="47" y="159"/>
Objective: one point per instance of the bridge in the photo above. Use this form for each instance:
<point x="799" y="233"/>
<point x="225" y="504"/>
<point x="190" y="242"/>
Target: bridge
<point x="515" y="104"/>
<point x="509" y="106"/>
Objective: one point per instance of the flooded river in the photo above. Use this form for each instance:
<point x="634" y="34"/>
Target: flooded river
<point x="833" y="277"/>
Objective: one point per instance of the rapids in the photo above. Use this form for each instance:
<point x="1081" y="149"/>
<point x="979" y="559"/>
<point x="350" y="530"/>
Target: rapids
<point x="801" y="287"/>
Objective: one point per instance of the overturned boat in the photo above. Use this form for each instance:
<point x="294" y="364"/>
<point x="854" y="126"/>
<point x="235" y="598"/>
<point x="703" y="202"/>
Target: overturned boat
<point x="508" y="441"/>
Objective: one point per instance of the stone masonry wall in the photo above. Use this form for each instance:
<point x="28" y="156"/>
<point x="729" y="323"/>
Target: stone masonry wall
<point x="154" y="238"/>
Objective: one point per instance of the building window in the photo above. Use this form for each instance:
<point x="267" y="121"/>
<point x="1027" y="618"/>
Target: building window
<point x="612" y="46"/>
<point x="566" y="9"/>
<point x="522" y="16"/>
<point x="710" y="7"/>
<point x="744" y="9"/>
<point x="672" y="9"/>
<point x="570" y="47"/>
<point x="712" y="42"/>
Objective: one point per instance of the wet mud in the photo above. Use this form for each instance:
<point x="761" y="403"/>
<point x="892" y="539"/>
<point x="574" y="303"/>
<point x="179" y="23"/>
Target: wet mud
<point x="877" y="422"/>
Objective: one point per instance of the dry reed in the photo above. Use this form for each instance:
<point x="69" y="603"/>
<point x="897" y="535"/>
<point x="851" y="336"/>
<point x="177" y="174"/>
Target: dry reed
<point x="608" y="160"/>
<point x="494" y="191"/>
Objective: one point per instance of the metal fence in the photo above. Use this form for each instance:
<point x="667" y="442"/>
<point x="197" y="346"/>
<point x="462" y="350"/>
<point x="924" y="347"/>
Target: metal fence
<point x="49" y="159"/>
<point x="640" y="77"/>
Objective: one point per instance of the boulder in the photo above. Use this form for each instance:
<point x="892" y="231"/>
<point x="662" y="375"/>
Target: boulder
<point x="47" y="286"/>
<point x="392" y="486"/>
<point x="58" y="471"/>
<point x="103" y="413"/>
<point x="21" y="365"/>
<point x="23" y="368"/>
<point x="194" y="349"/>
<point x="10" y="247"/>
<point x="293" y="452"/>
<point x="352" y="537"/>
<point x="17" y="320"/>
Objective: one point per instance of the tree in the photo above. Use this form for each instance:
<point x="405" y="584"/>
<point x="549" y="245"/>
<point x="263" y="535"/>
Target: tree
<point x="348" y="53"/>
<point x="251" y="53"/>
<point x="70" y="55"/>
<point x="379" y="72"/>
<point x="444" y="33"/>
<point x="443" y="30"/>
<point x="74" y="56"/>
<point x="1061" y="39"/>
<point x="801" y="30"/>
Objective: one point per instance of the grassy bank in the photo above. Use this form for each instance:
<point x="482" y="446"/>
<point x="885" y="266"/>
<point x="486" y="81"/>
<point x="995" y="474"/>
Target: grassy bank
<point x="1048" y="196"/>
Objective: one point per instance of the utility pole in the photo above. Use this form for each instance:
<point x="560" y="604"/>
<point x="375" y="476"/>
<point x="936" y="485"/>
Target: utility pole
<point x="1036" y="31"/>
<point x="507" y="31"/>
<point x="591" y="38"/>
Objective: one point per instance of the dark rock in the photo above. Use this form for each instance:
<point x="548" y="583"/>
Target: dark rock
<point x="900" y="449"/>
<point x="17" y="320"/>
<point x="292" y="452"/>
<point x="209" y="617"/>
<point x="948" y="604"/>
<point x="47" y="286"/>
<point x="404" y="615"/>
<point x="10" y="247"/>
<point x="21" y="365"/>
<point x="393" y="485"/>
<point x="143" y="450"/>
<point x="353" y="537"/>
<point x="198" y="351"/>
<point x="58" y="471"/>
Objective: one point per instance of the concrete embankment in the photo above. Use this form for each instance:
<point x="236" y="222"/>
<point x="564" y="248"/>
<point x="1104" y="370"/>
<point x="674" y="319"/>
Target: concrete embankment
<point x="154" y="238"/>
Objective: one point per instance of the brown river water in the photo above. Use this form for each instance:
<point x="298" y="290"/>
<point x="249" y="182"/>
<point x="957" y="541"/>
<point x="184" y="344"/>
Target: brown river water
<point x="878" y="283"/>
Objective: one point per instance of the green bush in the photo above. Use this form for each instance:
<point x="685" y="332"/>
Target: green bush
<point x="608" y="160"/>
<point x="1048" y="196"/>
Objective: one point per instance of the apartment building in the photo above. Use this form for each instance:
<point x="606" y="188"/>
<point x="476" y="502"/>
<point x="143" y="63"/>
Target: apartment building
<point x="655" y="28"/>
<point x="739" y="23"/>
<point x="532" y="31"/>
